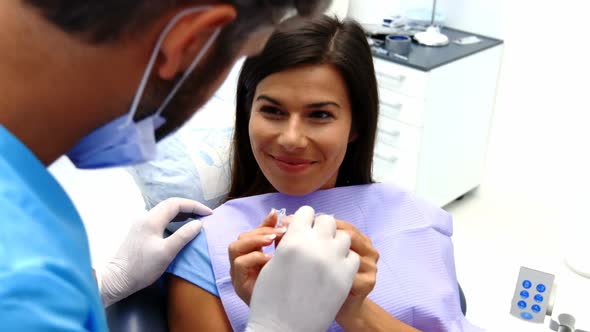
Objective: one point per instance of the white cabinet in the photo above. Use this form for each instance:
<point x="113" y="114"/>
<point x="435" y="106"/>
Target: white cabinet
<point x="434" y="125"/>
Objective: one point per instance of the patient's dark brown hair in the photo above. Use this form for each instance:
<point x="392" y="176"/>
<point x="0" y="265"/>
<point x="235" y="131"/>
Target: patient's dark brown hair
<point x="325" y="40"/>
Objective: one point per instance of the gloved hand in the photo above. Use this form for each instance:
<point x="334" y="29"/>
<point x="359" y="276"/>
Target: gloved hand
<point x="145" y="254"/>
<point x="365" y="279"/>
<point x="307" y="280"/>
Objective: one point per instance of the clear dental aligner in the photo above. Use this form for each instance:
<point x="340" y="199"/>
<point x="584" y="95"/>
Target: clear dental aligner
<point x="280" y="215"/>
<point x="283" y="213"/>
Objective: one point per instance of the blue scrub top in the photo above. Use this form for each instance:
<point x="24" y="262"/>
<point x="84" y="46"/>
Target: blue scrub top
<point x="46" y="279"/>
<point x="193" y="264"/>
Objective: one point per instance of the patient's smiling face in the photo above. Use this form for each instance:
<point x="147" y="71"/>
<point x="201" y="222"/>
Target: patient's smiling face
<point x="300" y="127"/>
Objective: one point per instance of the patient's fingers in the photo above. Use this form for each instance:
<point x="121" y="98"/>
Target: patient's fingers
<point x="360" y="243"/>
<point x="284" y="225"/>
<point x="244" y="272"/>
<point x="353" y="261"/>
<point x="286" y="221"/>
<point x="253" y="260"/>
<point x="261" y="231"/>
<point x="270" y="220"/>
<point x="367" y="264"/>
<point x="345" y="226"/>
<point x="363" y="284"/>
<point x="253" y="241"/>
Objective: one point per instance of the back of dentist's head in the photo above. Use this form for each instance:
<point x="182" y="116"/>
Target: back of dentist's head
<point x="104" y="21"/>
<point x="116" y="24"/>
<point x="325" y="40"/>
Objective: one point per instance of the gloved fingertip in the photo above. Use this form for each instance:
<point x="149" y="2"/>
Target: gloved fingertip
<point x="305" y="212"/>
<point x="355" y="260"/>
<point x="197" y="208"/>
<point x="306" y="209"/>
<point x="326" y="217"/>
<point x="197" y="225"/>
<point x="204" y="211"/>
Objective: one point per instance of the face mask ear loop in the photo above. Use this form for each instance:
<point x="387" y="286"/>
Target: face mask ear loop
<point x="154" y="56"/>
<point x="189" y="70"/>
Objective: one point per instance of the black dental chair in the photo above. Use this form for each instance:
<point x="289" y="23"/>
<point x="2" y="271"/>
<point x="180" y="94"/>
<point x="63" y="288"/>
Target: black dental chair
<point x="144" y="311"/>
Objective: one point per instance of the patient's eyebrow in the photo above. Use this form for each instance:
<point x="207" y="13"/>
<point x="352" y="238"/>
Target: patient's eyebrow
<point x="269" y="99"/>
<point x="323" y="104"/>
<point x="313" y="105"/>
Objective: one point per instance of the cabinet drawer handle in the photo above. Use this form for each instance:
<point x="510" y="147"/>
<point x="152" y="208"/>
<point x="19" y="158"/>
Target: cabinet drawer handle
<point x="389" y="138"/>
<point x="385" y="152"/>
<point x="396" y="133"/>
<point x="391" y="110"/>
<point x="398" y="78"/>
<point x="391" y="81"/>
<point x="388" y="125"/>
<point x="390" y="160"/>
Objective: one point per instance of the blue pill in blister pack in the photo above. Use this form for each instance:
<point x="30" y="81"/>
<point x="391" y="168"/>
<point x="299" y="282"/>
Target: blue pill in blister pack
<point x="521" y="304"/>
<point x="526" y="315"/>
<point x="541" y="288"/>
<point x="539" y="298"/>
<point x="524" y="294"/>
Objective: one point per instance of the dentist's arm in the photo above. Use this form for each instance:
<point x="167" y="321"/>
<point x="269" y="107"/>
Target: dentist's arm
<point x="145" y="254"/>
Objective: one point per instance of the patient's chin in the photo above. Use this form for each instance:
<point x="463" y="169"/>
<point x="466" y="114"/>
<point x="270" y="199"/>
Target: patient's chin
<point x="295" y="190"/>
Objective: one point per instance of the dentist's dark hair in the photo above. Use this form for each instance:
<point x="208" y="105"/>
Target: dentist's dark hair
<point x="100" y="22"/>
<point x="103" y="21"/>
<point x="322" y="41"/>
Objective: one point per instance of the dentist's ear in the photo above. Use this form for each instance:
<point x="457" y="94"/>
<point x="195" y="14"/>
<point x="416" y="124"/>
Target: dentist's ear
<point x="188" y="37"/>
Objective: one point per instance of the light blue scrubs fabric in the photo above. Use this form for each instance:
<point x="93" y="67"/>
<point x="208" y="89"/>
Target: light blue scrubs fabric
<point x="194" y="264"/>
<point x="46" y="279"/>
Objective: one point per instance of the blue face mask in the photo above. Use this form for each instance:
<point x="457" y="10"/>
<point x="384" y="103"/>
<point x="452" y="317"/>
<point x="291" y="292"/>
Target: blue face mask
<point x="123" y="142"/>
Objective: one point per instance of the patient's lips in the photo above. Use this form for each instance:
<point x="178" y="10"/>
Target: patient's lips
<point x="291" y="164"/>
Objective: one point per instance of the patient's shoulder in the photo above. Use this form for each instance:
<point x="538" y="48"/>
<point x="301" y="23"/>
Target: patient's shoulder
<point x="235" y="217"/>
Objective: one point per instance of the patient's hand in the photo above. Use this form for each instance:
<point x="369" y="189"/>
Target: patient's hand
<point x="366" y="277"/>
<point x="246" y="256"/>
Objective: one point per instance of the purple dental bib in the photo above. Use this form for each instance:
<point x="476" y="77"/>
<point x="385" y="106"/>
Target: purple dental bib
<point x="416" y="281"/>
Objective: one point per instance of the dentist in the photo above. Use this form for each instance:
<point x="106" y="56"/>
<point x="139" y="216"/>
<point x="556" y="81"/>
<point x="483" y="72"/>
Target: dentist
<point x="102" y="81"/>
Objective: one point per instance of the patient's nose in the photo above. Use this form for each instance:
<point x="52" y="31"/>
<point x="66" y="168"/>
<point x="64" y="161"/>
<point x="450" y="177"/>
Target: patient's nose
<point x="293" y="137"/>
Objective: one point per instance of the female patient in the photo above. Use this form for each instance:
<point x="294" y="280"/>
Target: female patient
<point x="307" y="110"/>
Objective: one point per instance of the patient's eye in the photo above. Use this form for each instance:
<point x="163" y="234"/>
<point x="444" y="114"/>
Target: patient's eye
<point x="321" y="115"/>
<point x="272" y="111"/>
